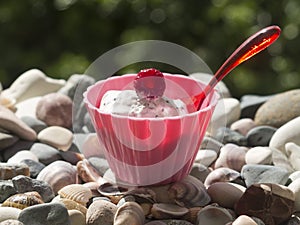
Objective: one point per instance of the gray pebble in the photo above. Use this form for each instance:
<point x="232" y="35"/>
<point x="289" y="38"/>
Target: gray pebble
<point x="25" y="184"/>
<point x="45" y="153"/>
<point x="18" y="146"/>
<point x="250" y="104"/>
<point x="260" y="136"/>
<point x="6" y="189"/>
<point x="226" y="135"/>
<point x="7" y="140"/>
<point x="34" y="123"/>
<point x="34" y="167"/>
<point x="211" y="143"/>
<point x="264" y="174"/>
<point x="46" y="214"/>
<point x="100" y="164"/>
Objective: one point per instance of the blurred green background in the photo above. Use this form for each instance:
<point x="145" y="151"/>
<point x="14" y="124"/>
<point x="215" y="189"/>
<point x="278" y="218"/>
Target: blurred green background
<point x="63" y="37"/>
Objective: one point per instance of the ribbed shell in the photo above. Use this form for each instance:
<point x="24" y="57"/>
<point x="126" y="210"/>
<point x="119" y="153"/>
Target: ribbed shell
<point x="76" y="192"/>
<point x="21" y="201"/>
<point x="70" y="204"/>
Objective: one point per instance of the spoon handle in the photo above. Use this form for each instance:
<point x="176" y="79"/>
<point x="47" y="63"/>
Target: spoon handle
<point x="253" y="45"/>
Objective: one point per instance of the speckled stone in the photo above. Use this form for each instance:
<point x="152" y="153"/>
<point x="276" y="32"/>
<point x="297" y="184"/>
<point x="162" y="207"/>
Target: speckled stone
<point x="279" y="109"/>
<point x="46" y="214"/>
<point x="243" y="125"/>
<point x="45" y="153"/>
<point x="55" y="110"/>
<point x="6" y="189"/>
<point x="260" y="135"/>
<point x="25" y="184"/>
<point x="10" y="170"/>
<point x="7" y="140"/>
<point x="272" y="203"/>
<point x="254" y="174"/>
<point x="101" y="212"/>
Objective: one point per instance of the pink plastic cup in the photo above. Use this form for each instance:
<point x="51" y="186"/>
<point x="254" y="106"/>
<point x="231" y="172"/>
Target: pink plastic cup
<point x="147" y="151"/>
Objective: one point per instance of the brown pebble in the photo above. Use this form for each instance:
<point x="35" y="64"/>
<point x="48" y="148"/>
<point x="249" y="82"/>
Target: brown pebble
<point x="10" y="170"/>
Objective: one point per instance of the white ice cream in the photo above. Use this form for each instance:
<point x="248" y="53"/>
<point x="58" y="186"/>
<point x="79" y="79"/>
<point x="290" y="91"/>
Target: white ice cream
<point x="127" y="103"/>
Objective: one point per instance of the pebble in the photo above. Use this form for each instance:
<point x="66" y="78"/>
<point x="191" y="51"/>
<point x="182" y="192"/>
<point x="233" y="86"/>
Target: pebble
<point x="45" y="153"/>
<point x="244" y="220"/>
<point x="279" y="109"/>
<point x="34" y="167"/>
<point x="10" y="170"/>
<point x="7" y="140"/>
<point x="289" y="132"/>
<point x="260" y="136"/>
<point x="55" y="136"/>
<point x="34" y="123"/>
<point x="200" y="171"/>
<point x="6" y="189"/>
<point x="55" y="110"/>
<point x="211" y="143"/>
<point x="9" y="213"/>
<point x="25" y="184"/>
<point x="222" y="174"/>
<point x="10" y="122"/>
<point x="243" y="125"/>
<point x="295" y="188"/>
<point x="101" y="212"/>
<point x="214" y="215"/>
<point x="27" y="108"/>
<point x="226" y="135"/>
<point x="293" y="154"/>
<point x="22" y="155"/>
<point x="250" y="104"/>
<point x="18" y="146"/>
<point x="206" y="157"/>
<point x="255" y="174"/>
<point x="91" y="147"/>
<point x="76" y="217"/>
<point x="272" y="203"/>
<point x="280" y="159"/>
<point x="264" y="153"/>
<point x="46" y="214"/>
<point x="11" y="222"/>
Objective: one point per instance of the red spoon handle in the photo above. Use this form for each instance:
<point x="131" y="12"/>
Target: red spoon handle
<point x="253" y="45"/>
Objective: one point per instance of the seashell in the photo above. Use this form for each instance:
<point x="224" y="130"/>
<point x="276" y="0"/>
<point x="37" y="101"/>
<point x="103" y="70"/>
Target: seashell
<point x="76" y="217"/>
<point x="168" y="211"/>
<point x="142" y="195"/>
<point x="77" y="193"/>
<point x="70" y="204"/>
<point x="129" y="213"/>
<point x="87" y="172"/>
<point x="222" y="174"/>
<point x="189" y="192"/>
<point x="58" y="174"/>
<point x="169" y="222"/>
<point x="144" y="203"/>
<point x="112" y="191"/>
<point x="191" y="216"/>
<point x="214" y="215"/>
<point x="93" y="186"/>
<point x="21" y="201"/>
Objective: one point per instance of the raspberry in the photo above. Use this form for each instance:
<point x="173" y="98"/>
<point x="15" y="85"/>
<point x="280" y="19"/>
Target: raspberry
<point x="149" y="83"/>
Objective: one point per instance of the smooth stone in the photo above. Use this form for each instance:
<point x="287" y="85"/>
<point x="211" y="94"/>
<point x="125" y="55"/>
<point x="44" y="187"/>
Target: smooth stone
<point x="272" y="203"/>
<point x="46" y="214"/>
<point x="92" y="147"/>
<point x="34" y="167"/>
<point x="10" y="170"/>
<point x="25" y="184"/>
<point x="250" y="104"/>
<point x="289" y="132"/>
<point x="225" y="194"/>
<point x="206" y="157"/>
<point x="6" y="189"/>
<point x="231" y="156"/>
<point x="9" y="213"/>
<point x="295" y="175"/>
<point x="75" y="87"/>
<point x="27" y="108"/>
<point x="22" y="155"/>
<point x="226" y="112"/>
<point x="101" y="212"/>
<point x="45" y="153"/>
<point x="55" y="110"/>
<point x="280" y="159"/>
<point x="76" y="217"/>
<point x="220" y="87"/>
<point x="259" y="155"/>
<point x="293" y="153"/>
<point x="7" y="140"/>
<point x="213" y="215"/>
<point x="33" y="83"/>
<point x="279" y="109"/>
<point x="11" y="222"/>
<point x="243" y="125"/>
<point x="34" y="123"/>
<point x="211" y="143"/>
<point x="226" y="135"/>
<point x="222" y="174"/>
<point x="18" y="146"/>
<point x="295" y="188"/>
<point x="100" y="164"/>
<point x="71" y="156"/>
<point x="200" y="171"/>
<point x="255" y="174"/>
<point x="169" y="222"/>
<point x="10" y="122"/>
<point x="260" y="136"/>
<point x="244" y="220"/>
<point x="55" y="136"/>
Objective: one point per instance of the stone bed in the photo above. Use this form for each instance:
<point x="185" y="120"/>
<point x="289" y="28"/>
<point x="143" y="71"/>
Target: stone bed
<point x="53" y="170"/>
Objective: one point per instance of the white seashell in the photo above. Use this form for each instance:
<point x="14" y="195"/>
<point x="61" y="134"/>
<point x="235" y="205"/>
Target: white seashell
<point x="77" y="193"/>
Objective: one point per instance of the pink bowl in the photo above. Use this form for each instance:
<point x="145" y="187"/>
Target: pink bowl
<point x="147" y="151"/>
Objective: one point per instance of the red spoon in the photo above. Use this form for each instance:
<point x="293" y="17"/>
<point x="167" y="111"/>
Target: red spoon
<point x="253" y="45"/>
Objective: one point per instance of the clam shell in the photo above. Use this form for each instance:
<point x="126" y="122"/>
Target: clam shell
<point x="214" y="215"/>
<point x="21" y="201"/>
<point x="129" y="213"/>
<point x="76" y="192"/>
<point x="87" y="172"/>
<point x="70" y="204"/>
<point x="58" y="174"/>
<point x="189" y="192"/>
<point x="112" y="191"/>
<point x="168" y="211"/>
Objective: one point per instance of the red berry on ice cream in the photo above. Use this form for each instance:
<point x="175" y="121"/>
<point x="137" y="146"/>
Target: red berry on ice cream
<point x="149" y="83"/>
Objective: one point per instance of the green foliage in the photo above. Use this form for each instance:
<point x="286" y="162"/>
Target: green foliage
<point x="62" y="37"/>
